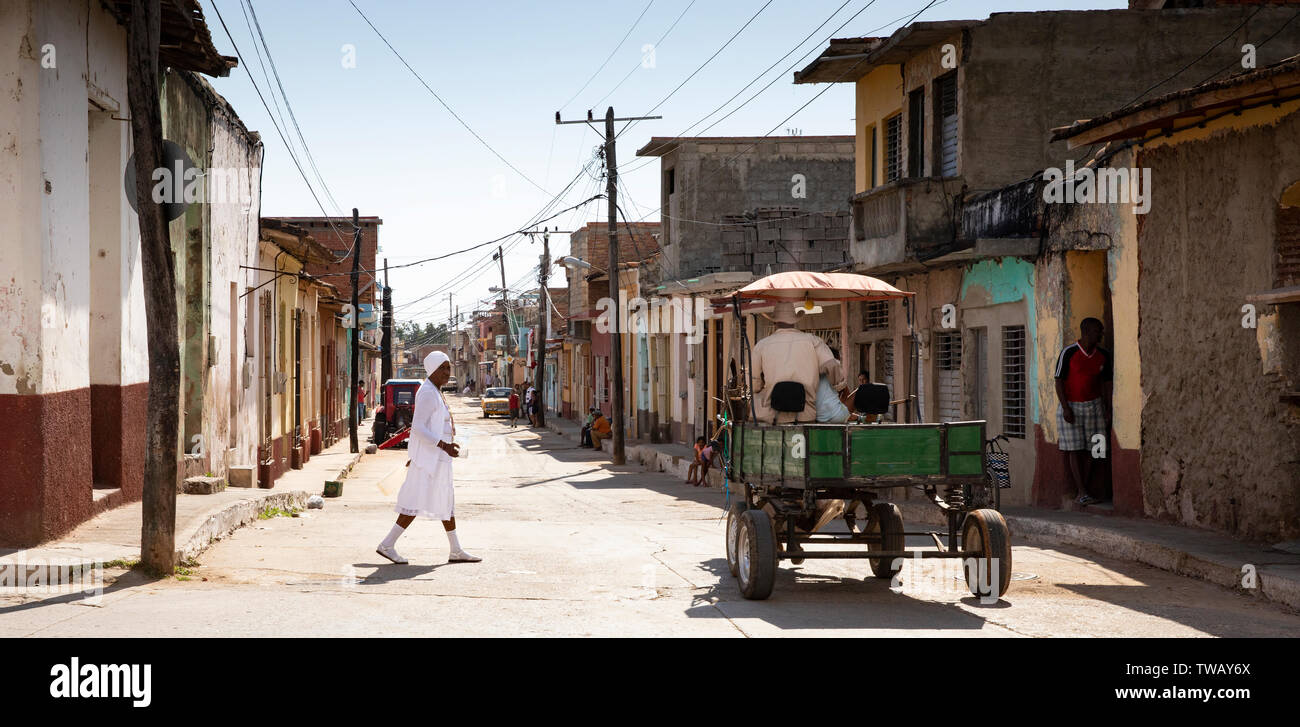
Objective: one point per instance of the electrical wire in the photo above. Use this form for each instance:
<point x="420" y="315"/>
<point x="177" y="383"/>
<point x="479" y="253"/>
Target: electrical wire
<point x="641" y="62"/>
<point x="611" y="54"/>
<point x="278" y="131"/>
<point x="701" y="67"/>
<point x="444" y="104"/>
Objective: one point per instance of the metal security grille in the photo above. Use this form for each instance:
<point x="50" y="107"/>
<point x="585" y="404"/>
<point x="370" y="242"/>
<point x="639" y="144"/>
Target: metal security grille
<point x="1013" y="381"/>
<point x="876" y="316"/>
<point x="947" y="364"/>
<point x="893" y="147"/>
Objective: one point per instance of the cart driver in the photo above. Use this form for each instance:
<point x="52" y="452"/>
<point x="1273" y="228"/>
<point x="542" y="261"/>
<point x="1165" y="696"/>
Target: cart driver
<point x="790" y="355"/>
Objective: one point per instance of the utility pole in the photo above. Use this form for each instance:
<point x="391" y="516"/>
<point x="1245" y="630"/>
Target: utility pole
<point x="509" y="378"/>
<point x="543" y="321"/>
<point x="387" y="362"/>
<point x="355" y="410"/>
<point x="162" y="448"/>
<point x="616" y="339"/>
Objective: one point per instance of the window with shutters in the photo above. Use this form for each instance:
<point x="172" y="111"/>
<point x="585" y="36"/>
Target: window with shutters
<point x="916" y="133"/>
<point x="945" y="114"/>
<point x="875" y="316"/>
<point x="875" y="159"/>
<point x="1013" y="381"/>
<point x="947" y="369"/>
<point x="979" y="390"/>
<point x="893" y="147"/>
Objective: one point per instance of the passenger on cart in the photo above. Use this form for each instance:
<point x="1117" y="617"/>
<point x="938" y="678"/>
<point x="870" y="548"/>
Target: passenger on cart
<point x="787" y="365"/>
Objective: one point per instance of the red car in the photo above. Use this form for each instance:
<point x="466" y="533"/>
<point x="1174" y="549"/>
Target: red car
<point x="396" y="408"/>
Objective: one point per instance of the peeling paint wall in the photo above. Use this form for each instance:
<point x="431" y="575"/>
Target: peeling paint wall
<point x="1221" y="446"/>
<point x="71" y="300"/>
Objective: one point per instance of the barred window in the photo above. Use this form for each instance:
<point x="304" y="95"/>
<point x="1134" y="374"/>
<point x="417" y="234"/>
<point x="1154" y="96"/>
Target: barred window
<point x="875" y="316"/>
<point x="1013" y="381"/>
<point x="893" y="147"/>
<point x="947" y="364"/>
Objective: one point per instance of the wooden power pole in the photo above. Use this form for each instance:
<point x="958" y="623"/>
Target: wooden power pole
<point x="355" y="412"/>
<point x="158" y="506"/>
<point x="617" y="455"/>
<point x="541" y="331"/>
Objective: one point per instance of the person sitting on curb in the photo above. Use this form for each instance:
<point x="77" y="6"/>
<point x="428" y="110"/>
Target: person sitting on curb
<point x="600" y="430"/>
<point x="700" y="464"/>
<point x="586" y="427"/>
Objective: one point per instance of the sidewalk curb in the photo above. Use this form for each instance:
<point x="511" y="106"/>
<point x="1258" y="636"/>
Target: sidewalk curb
<point x="1272" y="584"/>
<point x="235" y="516"/>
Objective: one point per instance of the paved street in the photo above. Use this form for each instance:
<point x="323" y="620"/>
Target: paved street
<point x="573" y="547"/>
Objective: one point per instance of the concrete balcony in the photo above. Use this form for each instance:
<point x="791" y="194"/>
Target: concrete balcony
<point x="900" y="225"/>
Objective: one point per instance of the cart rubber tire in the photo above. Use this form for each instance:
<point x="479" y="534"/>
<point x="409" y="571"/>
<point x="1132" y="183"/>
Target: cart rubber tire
<point x="732" y="536"/>
<point x="379" y="431"/>
<point x="756" y="553"/>
<point x="988" y="575"/>
<point x="888" y="521"/>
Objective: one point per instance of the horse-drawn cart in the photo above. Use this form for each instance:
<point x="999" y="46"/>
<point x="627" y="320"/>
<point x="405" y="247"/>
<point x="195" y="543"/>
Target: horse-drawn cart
<point x="795" y="479"/>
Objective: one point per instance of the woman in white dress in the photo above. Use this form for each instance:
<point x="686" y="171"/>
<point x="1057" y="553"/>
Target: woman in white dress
<point x="427" y="491"/>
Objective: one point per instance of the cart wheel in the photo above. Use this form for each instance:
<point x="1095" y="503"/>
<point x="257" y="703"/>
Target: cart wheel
<point x="887" y="521"/>
<point x="756" y="553"/>
<point x="988" y="574"/>
<point x="733" y="531"/>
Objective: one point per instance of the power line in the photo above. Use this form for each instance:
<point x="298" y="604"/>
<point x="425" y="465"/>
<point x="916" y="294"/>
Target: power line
<point x="1198" y="58"/>
<point x="775" y="78"/>
<point x="311" y="159"/>
<point x="656" y="45"/>
<point x="444" y="103"/>
<point x="735" y="35"/>
<point x="278" y="131"/>
<point x="727" y="162"/>
<point x="611" y="55"/>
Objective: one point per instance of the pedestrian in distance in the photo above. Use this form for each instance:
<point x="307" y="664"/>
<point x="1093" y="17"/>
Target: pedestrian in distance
<point x="514" y="407"/>
<point x="428" y="492"/>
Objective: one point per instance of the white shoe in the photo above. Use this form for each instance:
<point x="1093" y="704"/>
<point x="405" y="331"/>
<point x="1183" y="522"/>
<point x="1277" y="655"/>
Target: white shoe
<point x="390" y="553"/>
<point x="461" y="556"/>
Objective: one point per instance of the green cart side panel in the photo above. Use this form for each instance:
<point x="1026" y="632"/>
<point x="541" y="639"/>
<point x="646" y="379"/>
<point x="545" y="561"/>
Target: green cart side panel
<point x="792" y="467"/>
<point x="966" y="449"/>
<point x="826" y="453"/>
<point x="751" y="450"/>
<point x="875" y="451"/>
<point x="772" y="441"/>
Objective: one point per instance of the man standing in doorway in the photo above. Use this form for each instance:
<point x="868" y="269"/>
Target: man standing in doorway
<point x="1084" y="372"/>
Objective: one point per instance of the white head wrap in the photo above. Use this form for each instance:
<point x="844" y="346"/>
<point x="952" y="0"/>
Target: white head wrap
<point x="433" y="361"/>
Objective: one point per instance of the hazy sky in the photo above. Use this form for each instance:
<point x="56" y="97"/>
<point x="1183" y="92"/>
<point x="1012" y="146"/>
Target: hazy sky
<point x="384" y="144"/>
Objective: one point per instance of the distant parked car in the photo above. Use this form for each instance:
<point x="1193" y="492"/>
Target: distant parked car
<point x="451" y="385"/>
<point x="496" y="400"/>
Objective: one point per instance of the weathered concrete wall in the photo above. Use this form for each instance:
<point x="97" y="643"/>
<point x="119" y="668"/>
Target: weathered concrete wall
<point x="234" y="202"/>
<point x="714" y="180"/>
<point x="1221" y="448"/>
<point x="1100" y="60"/>
<point x="72" y="363"/>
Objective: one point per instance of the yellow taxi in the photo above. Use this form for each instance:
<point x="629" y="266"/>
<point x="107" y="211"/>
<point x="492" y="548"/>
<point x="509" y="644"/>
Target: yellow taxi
<point x="496" y="400"/>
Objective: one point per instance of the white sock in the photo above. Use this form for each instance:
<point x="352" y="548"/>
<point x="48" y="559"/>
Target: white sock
<point x="455" y="542"/>
<point x="393" y="535"/>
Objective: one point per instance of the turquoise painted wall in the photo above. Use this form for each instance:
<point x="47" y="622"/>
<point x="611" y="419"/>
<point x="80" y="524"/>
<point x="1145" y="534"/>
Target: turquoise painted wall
<point x="1010" y="280"/>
